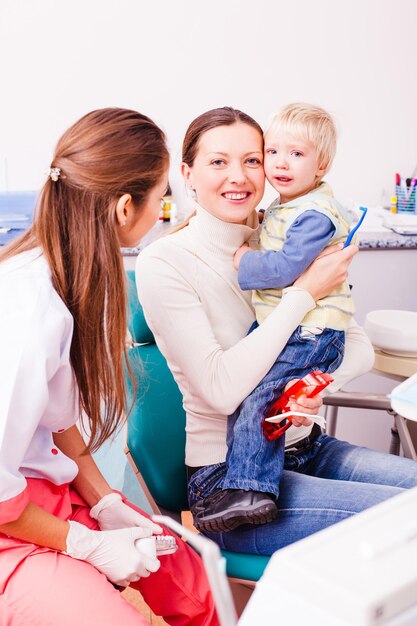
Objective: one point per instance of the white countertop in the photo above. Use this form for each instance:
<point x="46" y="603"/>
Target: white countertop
<point x="377" y="230"/>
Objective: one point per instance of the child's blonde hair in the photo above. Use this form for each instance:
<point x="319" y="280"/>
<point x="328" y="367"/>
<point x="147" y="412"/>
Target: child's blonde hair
<point x="309" y="122"/>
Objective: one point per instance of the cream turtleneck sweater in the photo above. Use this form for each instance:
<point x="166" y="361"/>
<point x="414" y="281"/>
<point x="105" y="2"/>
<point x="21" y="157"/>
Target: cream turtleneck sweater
<point x="199" y="316"/>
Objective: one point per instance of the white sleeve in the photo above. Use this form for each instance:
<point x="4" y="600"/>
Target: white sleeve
<point x="31" y="333"/>
<point x="183" y="332"/>
<point x="359" y="357"/>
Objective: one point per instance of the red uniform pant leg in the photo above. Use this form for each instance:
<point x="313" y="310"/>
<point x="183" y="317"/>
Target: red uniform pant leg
<point x="179" y="591"/>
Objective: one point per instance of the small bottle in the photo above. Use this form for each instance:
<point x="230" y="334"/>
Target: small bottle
<point x="161" y="211"/>
<point x="174" y="213"/>
<point x="166" y="208"/>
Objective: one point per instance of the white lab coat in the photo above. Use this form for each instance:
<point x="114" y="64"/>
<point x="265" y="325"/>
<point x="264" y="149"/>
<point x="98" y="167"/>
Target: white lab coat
<point x="38" y="394"/>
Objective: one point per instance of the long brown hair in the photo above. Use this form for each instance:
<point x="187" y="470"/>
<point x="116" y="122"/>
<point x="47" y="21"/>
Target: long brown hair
<point x="107" y="153"/>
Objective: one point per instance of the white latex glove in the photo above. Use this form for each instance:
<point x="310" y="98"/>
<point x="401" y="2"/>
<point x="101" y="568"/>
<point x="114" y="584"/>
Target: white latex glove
<point x="115" y="553"/>
<point x="112" y="513"/>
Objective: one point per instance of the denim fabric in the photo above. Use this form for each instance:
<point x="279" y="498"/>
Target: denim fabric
<point x="252" y="461"/>
<point x="320" y="485"/>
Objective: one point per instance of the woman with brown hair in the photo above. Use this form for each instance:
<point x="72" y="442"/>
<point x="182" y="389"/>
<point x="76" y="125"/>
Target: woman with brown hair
<point x="200" y="318"/>
<point x="65" y="536"/>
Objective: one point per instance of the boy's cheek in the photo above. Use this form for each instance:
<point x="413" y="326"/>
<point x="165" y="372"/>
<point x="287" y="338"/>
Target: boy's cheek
<point x="270" y="178"/>
<point x="268" y="165"/>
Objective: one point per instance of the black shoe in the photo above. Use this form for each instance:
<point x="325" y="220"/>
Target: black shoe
<point x="226" y="509"/>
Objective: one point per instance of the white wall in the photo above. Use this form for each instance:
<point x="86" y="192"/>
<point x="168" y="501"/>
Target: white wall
<point x="174" y="59"/>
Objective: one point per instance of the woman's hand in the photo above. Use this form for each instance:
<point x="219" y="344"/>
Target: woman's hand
<point x="327" y="272"/>
<point x="303" y="404"/>
<point x="239" y="254"/>
<point x="115" y="553"/>
<point x="112" y="513"/>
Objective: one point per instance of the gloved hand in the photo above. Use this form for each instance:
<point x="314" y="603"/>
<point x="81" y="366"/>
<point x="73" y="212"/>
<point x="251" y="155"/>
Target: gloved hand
<point x="112" y="513"/>
<point x="115" y="553"/>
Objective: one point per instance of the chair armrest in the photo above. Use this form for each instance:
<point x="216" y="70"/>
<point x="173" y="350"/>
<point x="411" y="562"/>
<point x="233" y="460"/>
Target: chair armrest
<point x="359" y="400"/>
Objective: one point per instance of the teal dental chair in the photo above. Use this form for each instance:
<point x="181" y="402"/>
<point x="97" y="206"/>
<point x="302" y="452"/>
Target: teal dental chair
<point x="156" y="442"/>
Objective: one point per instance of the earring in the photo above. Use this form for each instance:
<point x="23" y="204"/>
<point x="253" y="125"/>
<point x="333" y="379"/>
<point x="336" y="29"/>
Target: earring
<point x="124" y="223"/>
<point x="193" y="194"/>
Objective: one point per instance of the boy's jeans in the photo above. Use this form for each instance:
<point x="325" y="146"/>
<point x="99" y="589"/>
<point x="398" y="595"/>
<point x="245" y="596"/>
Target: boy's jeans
<point x="253" y="462"/>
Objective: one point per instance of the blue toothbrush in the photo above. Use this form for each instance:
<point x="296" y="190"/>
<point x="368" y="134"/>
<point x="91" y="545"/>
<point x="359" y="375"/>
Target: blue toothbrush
<point x="353" y="231"/>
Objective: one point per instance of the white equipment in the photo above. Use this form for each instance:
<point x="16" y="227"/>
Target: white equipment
<point x="215" y="566"/>
<point x="360" y="572"/>
<point x="404" y="398"/>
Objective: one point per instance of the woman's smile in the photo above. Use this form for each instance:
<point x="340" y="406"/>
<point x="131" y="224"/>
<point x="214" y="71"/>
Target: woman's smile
<point x="236" y="196"/>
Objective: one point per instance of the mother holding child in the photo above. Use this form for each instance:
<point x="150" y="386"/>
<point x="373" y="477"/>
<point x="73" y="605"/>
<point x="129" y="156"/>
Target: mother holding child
<point x="249" y="494"/>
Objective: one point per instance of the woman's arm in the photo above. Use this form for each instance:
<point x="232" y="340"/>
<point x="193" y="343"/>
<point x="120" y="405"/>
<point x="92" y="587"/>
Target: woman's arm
<point x="89" y="482"/>
<point x="38" y="526"/>
<point x="116" y="553"/>
<point x="359" y="358"/>
<point x="359" y="353"/>
<point x="328" y="271"/>
<point x="111" y="512"/>
<point x="277" y="269"/>
<point x="220" y="378"/>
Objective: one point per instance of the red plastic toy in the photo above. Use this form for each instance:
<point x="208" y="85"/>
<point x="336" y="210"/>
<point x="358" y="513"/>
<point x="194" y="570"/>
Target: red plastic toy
<point x="316" y="379"/>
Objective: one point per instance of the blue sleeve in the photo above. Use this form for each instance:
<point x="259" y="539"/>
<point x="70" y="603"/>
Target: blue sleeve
<point x="307" y="236"/>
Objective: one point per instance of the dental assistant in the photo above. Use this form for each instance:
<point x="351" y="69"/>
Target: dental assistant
<point x="200" y="319"/>
<point x="67" y="541"/>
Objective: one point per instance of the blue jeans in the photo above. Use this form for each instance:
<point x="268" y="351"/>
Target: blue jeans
<point x="324" y="483"/>
<point x="252" y="461"/>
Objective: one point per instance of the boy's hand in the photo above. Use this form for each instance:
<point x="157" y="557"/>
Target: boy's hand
<point x="239" y="254"/>
<point x="304" y="405"/>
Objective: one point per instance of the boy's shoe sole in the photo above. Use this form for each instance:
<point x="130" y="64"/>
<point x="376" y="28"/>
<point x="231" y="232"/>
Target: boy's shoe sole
<point x="226" y="510"/>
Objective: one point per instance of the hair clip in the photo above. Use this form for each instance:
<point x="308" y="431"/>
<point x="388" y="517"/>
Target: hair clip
<point x="54" y="173"/>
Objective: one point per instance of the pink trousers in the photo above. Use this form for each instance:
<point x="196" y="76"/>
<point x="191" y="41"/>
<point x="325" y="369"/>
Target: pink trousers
<point x="42" y="587"/>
